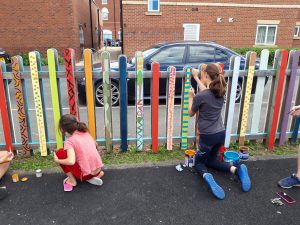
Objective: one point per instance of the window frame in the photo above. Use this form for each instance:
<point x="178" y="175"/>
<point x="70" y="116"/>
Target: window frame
<point x="267" y="26"/>
<point x="107" y="12"/>
<point x="104" y="3"/>
<point x="298" y="32"/>
<point x="151" y="10"/>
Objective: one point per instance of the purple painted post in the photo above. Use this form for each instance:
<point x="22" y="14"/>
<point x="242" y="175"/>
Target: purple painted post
<point x="288" y="102"/>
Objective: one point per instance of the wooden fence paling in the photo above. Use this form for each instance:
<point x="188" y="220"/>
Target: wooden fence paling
<point x="52" y="65"/>
<point x="259" y="92"/>
<point x="154" y="106"/>
<point x="22" y="116"/>
<point x="288" y="101"/>
<point x="139" y="100"/>
<point x="123" y="102"/>
<point x="105" y="59"/>
<point x="4" y="114"/>
<point x="69" y="59"/>
<point x="89" y="89"/>
<point x="235" y="66"/>
<point x="276" y="100"/>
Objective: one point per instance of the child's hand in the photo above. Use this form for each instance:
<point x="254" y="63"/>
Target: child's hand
<point x="195" y="73"/>
<point x="191" y="93"/>
<point x="295" y="111"/>
<point x="55" y="157"/>
<point x="9" y="157"/>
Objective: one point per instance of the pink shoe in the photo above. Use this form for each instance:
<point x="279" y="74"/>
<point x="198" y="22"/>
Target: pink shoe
<point x="67" y="187"/>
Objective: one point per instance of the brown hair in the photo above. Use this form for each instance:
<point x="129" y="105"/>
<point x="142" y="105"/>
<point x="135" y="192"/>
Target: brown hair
<point x="218" y="84"/>
<point x="69" y="123"/>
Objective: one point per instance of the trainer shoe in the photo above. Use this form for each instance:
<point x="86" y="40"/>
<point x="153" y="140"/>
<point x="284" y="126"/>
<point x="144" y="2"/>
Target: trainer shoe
<point x="95" y="181"/>
<point x="244" y="177"/>
<point x="217" y="191"/>
<point x="289" y="182"/>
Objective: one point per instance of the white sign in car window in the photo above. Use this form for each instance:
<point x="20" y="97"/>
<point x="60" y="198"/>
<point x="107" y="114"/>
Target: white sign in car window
<point x="191" y="32"/>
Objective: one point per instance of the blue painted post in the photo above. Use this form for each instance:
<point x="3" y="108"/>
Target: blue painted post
<point x="123" y="102"/>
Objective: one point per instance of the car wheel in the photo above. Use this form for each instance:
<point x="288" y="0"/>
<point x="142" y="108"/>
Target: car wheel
<point x="115" y="93"/>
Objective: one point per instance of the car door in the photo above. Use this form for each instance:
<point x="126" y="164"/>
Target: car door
<point x="222" y="57"/>
<point x="173" y="55"/>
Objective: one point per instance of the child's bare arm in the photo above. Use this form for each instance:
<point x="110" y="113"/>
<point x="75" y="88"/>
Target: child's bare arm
<point x="69" y="161"/>
<point x="195" y="74"/>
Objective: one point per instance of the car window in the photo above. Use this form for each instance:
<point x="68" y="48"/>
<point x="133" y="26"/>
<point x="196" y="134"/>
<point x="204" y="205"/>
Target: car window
<point x="201" y="54"/>
<point x="221" y="56"/>
<point x="170" y="55"/>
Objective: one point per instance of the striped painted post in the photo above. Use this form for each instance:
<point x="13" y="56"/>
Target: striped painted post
<point x="288" y="101"/>
<point x="259" y="92"/>
<point x="89" y="89"/>
<point x="69" y="58"/>
<point x="139" y="58"/>
<point x="105" y="59"/>
<point x="185" y="107"/>
<point x="52" y="66"/>
<point x="281" y="57"/>
<point x="22" y="116"/>
<point x="170" y="112"/>
<point x="123" y="102"/>
<point x="38" y="102"/>
<point x="246" y="103"/>
<point x="235" y="66"/>
<point x="4" y="113"/>
<point x="155" y="105"/>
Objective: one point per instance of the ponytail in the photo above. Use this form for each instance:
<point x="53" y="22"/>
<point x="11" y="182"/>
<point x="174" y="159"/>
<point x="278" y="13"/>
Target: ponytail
<point x="82" y="127"/>
<point x="218" y="84"/>
<point x="69" y="123"/>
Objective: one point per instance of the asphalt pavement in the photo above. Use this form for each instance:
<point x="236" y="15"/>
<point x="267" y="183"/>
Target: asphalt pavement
<point x="152" y="196"/>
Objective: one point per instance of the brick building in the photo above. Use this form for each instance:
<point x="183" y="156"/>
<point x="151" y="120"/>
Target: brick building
<point x="110" y="10"/>
<point x="39" y="25"/>
<point x="233" y="23"/>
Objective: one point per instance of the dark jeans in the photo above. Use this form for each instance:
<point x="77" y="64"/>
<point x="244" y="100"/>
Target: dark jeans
<point x="209" y="145"/>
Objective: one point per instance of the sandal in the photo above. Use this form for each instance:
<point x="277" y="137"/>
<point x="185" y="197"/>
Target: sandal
<point x="67" y="187"/>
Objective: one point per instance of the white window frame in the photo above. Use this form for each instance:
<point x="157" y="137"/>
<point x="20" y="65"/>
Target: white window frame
<point x="298" y="32"/>
<point x="107" y="12"/>
<point x="150" y="10"/>
<point x="266" y="25"/>
<point x="197" y="31"/>
<point x="104" y="2"/>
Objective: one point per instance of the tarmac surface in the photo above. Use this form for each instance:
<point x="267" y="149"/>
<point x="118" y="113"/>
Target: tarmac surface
<point x="152" y="196"/>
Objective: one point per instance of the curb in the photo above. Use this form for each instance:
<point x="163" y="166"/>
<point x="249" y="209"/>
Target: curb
<point x="148" y="165"/>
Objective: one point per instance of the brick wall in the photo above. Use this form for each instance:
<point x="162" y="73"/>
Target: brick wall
<point x="39" y="25"/>
<point x="113" y="22"/>
<point x="296" y="42"/>
<point x="141" y="31"/>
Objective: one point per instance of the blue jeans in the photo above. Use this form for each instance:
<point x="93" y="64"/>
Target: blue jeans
<point x="207" y="156"/>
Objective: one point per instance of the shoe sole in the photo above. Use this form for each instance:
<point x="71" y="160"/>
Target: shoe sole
<point x="95" y="181"/>
<point x="245" y="179"/>
<point x="217" y="191"/>
<point x="289" y="187"/>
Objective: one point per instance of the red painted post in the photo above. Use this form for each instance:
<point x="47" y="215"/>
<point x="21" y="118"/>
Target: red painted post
<point x="154" y="105"/>
<point x="4" y="115"/>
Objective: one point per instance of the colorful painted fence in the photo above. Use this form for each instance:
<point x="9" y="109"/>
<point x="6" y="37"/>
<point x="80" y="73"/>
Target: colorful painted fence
<point x="33" y="113"/>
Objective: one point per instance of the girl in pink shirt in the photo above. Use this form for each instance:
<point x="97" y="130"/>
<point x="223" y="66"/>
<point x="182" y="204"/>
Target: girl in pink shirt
<point x="79" y="159"/>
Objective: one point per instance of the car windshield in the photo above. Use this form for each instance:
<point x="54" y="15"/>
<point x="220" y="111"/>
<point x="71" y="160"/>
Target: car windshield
<point x="146" y="53"/>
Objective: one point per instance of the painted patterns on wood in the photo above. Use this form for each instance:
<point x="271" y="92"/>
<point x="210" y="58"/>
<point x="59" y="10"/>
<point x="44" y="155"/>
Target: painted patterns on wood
<point x="247" y="97"/>
<point x="235" y="66"/>
<point x="139" y="100"/>
<point x="69" y="57"/>
<point x="170" y="112"/>
<point x="89" y="89"/>
<point x="52" y="66"/>
<point x="107" y="99"/>
<point x="20" y="106"/>
<point x="38" y="102"/>
<point x="185" y="107"/>
<point x="155" y="105"/>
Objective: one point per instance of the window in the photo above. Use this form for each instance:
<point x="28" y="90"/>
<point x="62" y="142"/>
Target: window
<point x="153" y="5"/>
<point x="191" y="32"/>
<point x="201" y="54"/>
<point x="266" y="34"/>
<point x="104" y="12"/>
<point x="170" y="55"/>
<point x="221" y="56"/>
<point x="297" y="31"/>
<point x="107" y="34"/>
<point x="104" y="2"/>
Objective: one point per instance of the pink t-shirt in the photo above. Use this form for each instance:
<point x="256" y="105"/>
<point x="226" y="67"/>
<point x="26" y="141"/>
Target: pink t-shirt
<point x="86" y="153"/>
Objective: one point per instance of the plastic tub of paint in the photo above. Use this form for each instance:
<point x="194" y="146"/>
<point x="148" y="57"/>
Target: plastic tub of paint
<point x="232" y="157"/>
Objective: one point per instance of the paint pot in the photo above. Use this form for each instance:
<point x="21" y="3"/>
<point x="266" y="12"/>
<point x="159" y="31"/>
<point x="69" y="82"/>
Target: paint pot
<point x="190" y="158"/>
<point x="244" y="155"/>
<point x="38" y="173"/>
<point x="15" y="177"/>
<point x="232" y="157"/>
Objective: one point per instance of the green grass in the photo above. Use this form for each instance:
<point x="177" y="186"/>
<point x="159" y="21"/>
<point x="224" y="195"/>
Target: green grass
<point x="132" y="156"/>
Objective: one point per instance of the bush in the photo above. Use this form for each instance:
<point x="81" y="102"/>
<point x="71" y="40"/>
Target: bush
<point x="272" y="51"/>
<point x="25" y="56"/>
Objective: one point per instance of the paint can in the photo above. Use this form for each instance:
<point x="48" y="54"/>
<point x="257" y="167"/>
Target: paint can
<point x="244" y="153"/>
<point x="190" y="158"/>
<point x="15" y="177"/>
<point x="38" y="173"/>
